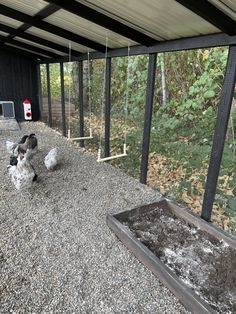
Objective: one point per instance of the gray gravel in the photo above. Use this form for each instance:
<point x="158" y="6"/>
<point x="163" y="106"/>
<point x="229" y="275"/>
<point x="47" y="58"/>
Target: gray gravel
<point x="57" y="254"/>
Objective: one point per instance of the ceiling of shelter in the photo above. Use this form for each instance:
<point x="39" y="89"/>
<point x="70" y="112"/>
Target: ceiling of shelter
<point x="45" y="28"/>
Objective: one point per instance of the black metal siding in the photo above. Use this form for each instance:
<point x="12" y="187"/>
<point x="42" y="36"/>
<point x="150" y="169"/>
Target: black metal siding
<point x="18" y="81"/>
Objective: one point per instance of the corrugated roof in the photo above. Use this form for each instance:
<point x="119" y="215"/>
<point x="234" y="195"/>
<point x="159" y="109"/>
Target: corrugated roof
<point x="123" y="21"/>
<point x="227" y="6"/>
<point x="10" y="22"/>
<point x="56" y="39"/>
<point x="38" y="45"/>
<point x="90" y="30"/>
<point x="165" y="19"/>
<point x="30" y="7"/>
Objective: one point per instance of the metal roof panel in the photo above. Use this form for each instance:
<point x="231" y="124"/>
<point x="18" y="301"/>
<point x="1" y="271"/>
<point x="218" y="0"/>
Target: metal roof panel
<point x="164" y="19"/>
<point x="38" y="45"/>
<point x="87" y="29"/>
<point x="30" y="7"/>
<point x="57" y="39"/>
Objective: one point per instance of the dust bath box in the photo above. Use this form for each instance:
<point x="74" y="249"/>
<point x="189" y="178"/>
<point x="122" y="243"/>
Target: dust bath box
<point x="184" y="293"/>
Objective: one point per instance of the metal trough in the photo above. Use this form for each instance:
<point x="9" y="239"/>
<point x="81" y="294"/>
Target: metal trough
<point x="186" y="295"/>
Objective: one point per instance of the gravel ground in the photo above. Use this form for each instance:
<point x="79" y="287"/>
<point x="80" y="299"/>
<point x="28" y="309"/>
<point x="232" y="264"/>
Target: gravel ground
<point x="57" y="254"/>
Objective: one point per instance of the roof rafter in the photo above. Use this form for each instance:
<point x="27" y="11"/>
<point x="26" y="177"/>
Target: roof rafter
<point x="37" y="22"/>
<point x="25" y="53"/>
<point x="42" y="14"/>
<point x="104" y="21"/>
<point x="17" y="43"/>
<point x="15" y="32"/>
<point x="212" y="14"/>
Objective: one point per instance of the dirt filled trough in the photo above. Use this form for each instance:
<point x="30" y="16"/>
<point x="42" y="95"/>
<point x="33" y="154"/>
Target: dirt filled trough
<point x="204" y="263"/>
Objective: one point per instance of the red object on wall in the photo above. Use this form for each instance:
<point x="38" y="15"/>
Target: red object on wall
<point x="27" y="109"/>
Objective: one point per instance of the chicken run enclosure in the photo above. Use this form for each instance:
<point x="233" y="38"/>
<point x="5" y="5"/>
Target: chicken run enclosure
<point x="148" y="86"/>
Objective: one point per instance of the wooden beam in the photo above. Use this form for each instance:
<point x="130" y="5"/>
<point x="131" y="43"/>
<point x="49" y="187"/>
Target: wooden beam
<point x="103" y="20"/>
<point x="15" y="32"/>
<point x="212" y="14"/>
<point x="63" y="115"/>
<point x="198" y="42"/>
<point x="22" y="52"/>
<point x="107" y="106"/>
<point x="37" y="22"/>
<point x="220" y="133"/>
<point x="49" y="96"/>
<point x="148" y="116"/>
<point x="20" y="44"/>
<point x="81" y="103"/>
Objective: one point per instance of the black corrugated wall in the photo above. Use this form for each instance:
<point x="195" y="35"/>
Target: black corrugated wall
<point x="18" y="81"/>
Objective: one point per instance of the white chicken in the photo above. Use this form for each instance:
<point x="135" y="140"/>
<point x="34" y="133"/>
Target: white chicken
<point x="22" y="174"/>
<point x="51" y="160"/>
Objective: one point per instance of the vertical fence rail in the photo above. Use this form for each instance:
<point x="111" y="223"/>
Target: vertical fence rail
<point x="148" y="116"/>
<point x="63" y="99"/>
<point x="39" y="91"/>
<point x="81" y="103"/>
<point x="107" y="107"/>
<point x="220" y="133"/>
<point x="49" y="96"/>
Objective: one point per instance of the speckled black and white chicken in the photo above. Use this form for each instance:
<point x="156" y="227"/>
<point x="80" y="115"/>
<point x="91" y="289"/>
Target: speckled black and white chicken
<point x="22" y="174"/>
<point x="29" y="147"/>
<point x="28" y="144"/>
<point x="51" y="160"/>
<point x="11" y="146"/>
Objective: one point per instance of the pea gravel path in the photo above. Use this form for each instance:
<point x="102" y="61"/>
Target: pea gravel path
<point x="57" y="254"/>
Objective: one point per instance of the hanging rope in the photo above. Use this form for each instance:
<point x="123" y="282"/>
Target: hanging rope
<point x="125" y="110"/>
<point x="69" y="91"/>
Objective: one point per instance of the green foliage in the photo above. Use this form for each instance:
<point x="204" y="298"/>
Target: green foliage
<point x="186" y="98"/>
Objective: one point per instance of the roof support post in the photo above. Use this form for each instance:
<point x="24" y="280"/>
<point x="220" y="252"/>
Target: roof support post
<point x="81" y="103"/>
<point x="107" y="106"/>
<point x="148" y="116"/>
<point x="39" y="90"/>
<point x="63" y="99"/>
<point x="49" y="97"/>
<point x="220" y="133"/>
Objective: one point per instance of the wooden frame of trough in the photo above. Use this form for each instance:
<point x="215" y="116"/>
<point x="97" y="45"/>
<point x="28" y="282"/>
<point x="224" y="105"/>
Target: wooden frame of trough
<point x="186" y="295"/>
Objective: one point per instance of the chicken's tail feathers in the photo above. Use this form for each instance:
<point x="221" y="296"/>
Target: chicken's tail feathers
<point x="10" y="146"/>
<point x="23" y="139"/>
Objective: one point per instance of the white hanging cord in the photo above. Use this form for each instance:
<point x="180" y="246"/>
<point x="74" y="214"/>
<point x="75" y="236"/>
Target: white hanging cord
<point x="103" y="102"/>
<point x="126" y="100"/>
<point x="69" y="91"/>
<point x="89" y="99"/>
<point x="124" y="154"/>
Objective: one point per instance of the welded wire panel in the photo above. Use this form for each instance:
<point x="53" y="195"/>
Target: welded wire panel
<point x="162" y="19"/>
<point x="56" y="39"/>
<point x="87" y="29"/>
<point x="226" y="6"/>
<point x="26" y="6"/>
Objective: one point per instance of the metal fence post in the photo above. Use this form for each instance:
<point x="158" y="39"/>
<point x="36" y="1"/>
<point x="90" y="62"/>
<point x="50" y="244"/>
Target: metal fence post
<point x="220" y="133"/>
<point x="107" y="107"/>
<point x="148" y="116"/>
<point x="39" y="91"/>
<point x="81" y="104"/>
<point x="63" y="99"/>
<point x="49" y="96"/>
